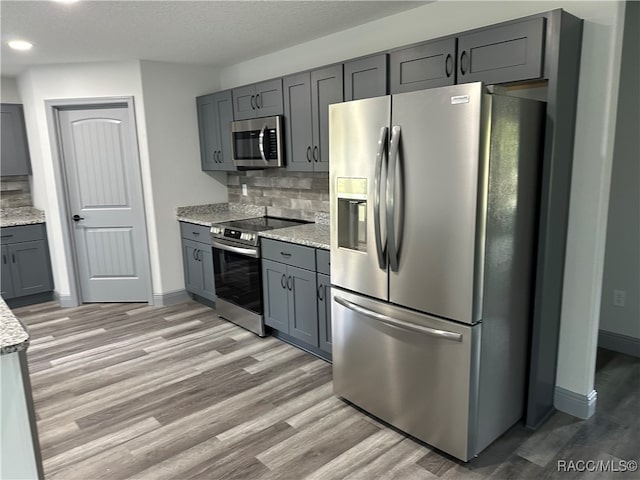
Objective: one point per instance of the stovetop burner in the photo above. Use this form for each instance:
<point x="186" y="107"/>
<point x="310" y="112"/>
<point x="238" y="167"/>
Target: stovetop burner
<point x="245" y="231"/>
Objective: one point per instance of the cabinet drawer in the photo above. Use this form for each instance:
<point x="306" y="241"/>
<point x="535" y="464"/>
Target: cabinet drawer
<point x="198" y="233"/>
<point x="323" y="261"/>
<point x="22" y="233"/>
<point x="288" y="253"/>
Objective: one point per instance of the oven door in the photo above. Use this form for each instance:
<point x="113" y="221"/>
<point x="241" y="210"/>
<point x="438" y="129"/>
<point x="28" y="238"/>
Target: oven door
<point x="238" y="276"/>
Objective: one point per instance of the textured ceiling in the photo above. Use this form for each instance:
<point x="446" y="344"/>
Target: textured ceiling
<point x="207" y="32"/>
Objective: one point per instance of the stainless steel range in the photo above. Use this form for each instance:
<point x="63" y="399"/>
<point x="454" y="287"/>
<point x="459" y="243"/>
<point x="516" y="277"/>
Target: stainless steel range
<point x="236" y="266"/>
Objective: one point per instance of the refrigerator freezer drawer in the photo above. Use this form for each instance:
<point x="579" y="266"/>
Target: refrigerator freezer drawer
<point x="411" y="370"/>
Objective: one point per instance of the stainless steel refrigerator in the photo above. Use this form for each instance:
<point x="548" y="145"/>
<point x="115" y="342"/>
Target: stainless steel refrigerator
<point x="433" y="226"/>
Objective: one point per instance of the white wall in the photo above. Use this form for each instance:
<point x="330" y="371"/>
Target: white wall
<point x="9" y="90"/>
<point x="595" y="123"/>
<point x="41" y="83"/>
<point x="622" y="257"/>
<point x="174" y="152"/>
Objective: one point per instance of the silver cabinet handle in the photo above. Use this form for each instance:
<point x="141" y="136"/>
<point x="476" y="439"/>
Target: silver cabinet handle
<point x="401" y="324"/>
<point x="249" y="252"/>
<point x="391" y="183"/>
<point x="377" y="185"/>
<point x="261" y="143"/>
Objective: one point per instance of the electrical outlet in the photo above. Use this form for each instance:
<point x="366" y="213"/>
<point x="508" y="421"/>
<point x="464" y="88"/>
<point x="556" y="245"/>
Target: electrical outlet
<point x="244" y="189"/>
<point x="619" y="298"/>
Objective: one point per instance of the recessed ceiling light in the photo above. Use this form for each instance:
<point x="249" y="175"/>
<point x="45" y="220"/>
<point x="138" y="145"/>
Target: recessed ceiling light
<point x="20" y="44"/>
<point x="66" y="1"/>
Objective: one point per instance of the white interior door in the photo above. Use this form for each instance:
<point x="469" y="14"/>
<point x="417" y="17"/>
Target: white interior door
<point x="102" y="172"/>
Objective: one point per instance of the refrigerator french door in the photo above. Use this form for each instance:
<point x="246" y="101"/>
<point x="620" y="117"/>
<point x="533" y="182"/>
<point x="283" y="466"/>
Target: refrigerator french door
<point x="433" y="203"/>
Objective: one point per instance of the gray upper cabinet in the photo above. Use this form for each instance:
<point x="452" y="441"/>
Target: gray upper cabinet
<point x="502" y="54"/>
<point x="427" y="65"/>
<point x="215" y="114"/>
<point x="14" y="150"/>
<point x="26" y="269"/>
<point x="326" y="88"/>
<point x="366" y="77"/>
<point x="307" y="97"/>
<point x="262" y="99"/>
<point x="297" y="122"/>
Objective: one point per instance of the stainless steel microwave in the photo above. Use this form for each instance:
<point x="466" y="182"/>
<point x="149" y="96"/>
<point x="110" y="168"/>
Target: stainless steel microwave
<point x="258" y="143"/>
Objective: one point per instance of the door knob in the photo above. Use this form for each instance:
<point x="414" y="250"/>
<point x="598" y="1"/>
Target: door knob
<point x="77" y="218"/>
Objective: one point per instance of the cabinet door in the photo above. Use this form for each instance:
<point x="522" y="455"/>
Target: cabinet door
<point x="244" y="102"/>
<point x="30" y="268"/>
<point x="193" y="275"/>
<point x="7" y="282"/>
<point x="502" y="54"/>
<point x="14" y="150"/>
<point x="365" y="78"/>
<point x="427" y="65"/>
<point x="205" y="257"/>
<point x="297" y="122"/>
<point x="303" y="311"/>
<point x="326" y="88"/>
<point x="223" y="119"/>
<point x="276" y="302"/>
<point x="268" y="99"/>
<point x="324" y="312"/>
<point x="209" y="140"/>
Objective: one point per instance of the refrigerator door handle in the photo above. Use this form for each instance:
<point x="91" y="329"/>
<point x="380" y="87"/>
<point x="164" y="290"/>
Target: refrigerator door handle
<point x="400" y="324"/>
<point x="377" y="186"/>
<point x="391" y="183"/>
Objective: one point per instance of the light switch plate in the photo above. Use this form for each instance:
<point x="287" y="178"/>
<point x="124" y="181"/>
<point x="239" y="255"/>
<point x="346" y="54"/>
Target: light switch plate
<point x="244" y="189"/>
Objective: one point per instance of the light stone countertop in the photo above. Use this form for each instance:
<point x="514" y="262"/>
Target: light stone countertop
<point x="13" y="336"/>
<point x="207" y="215"/>
<point x="16" y="216"/>
<point x="311" y="235"/>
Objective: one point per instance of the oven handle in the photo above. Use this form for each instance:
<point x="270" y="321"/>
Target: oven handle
<point x="249" y="252"/>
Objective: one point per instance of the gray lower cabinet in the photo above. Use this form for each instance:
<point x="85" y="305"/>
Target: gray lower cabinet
<point x="197" y="259"/>
<point x="427" y="65"/>
<point x="324" y="311"/>
<point x="507" y="53"/>
<point x="14" y="150"/>
<point x="215" y="114"/>
<point x="262" y="99"/>
<point x="307" y="97"/>
<point x="26" y="267"/>
<point x="290" y="300"/>
<point x="297" y="293"/>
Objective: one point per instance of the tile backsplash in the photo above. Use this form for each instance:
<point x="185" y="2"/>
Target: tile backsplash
<point x="285" y="194"/>
<point x="15" y="191"/>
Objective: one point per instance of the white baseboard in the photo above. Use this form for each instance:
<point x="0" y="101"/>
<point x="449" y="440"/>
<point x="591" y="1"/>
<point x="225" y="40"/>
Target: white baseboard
<point x="65" y="301"/>
<point x="619" y="343"/>
<point x="576" y="404"/>
<point x="170" y="298"/>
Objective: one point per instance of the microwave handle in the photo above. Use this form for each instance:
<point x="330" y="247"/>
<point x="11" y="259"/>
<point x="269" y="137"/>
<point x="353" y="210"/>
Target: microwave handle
<point x="261" y="143"/>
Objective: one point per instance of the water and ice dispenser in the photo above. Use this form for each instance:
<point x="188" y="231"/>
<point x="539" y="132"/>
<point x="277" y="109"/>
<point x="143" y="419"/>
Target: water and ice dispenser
<point x="352" y="213"/>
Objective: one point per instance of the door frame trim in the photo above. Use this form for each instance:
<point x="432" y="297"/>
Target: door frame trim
<point x="52" y="108"/>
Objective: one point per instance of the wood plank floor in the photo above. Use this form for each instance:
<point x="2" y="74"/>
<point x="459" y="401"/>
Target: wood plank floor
<point x="134" y="391"/>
